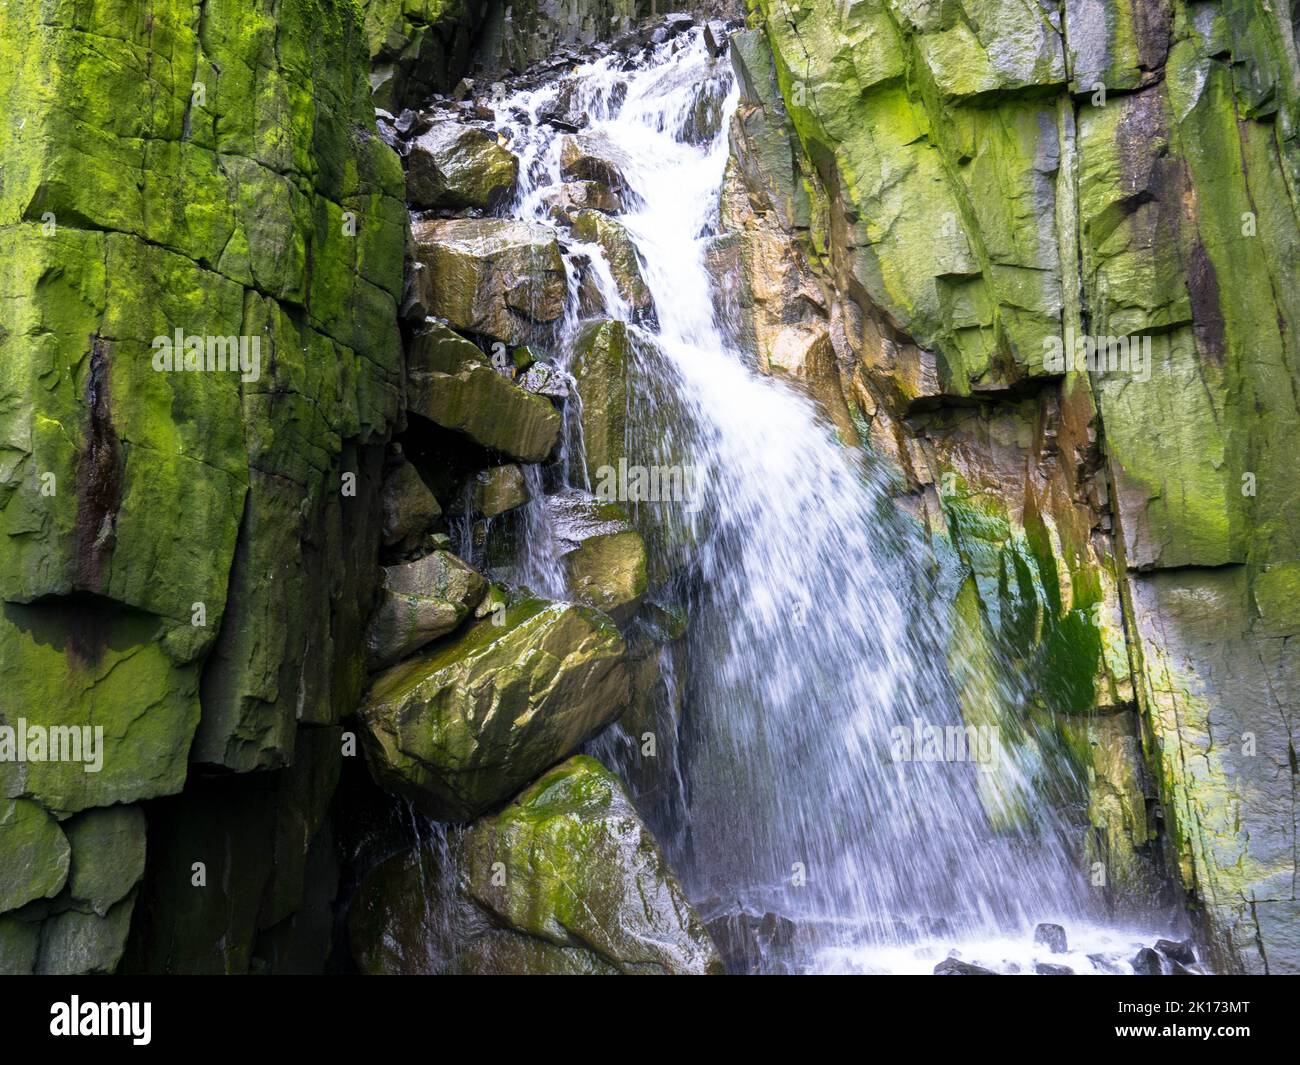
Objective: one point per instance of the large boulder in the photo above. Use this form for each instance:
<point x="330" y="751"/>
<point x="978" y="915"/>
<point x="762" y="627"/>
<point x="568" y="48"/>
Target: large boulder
<point x="461" y="727"/>
<point x="450" y="382"/>
<point x="570" y="862"/>
<point x="592" y="156"/>
<point x="419" y="602"/>
<point x="567" y="880"/>
<point x="502" y="278"/>
<point x="604" y="556"/>
<point x="453" y="165"/>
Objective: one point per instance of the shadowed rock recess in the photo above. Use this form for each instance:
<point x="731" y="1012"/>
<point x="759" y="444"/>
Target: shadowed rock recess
<point x="326" y="325"/>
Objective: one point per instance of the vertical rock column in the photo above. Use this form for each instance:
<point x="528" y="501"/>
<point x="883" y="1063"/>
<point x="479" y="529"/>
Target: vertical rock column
<point x="186" y="554"/>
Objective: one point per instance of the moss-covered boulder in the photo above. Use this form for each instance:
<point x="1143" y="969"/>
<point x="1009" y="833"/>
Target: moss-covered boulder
<point x="418" y="602"/>
<point x="409" y="917"/>
<point x="502" y="278"/>
<point x="450" y="382"/>
<point x="570" y="862"/>
<point x="603" y="555"/>
<point x="457" y="166"/>
<point x="461" y="727"/>
<point x="34" y="851"/>
<point x="567" y="880"/>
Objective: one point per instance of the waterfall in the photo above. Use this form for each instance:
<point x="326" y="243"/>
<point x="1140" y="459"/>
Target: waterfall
<point x="818" y="672"/>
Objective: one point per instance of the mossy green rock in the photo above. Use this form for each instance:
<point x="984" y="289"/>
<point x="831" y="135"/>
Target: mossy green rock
<point x="217" y="172"/>
<point x="450" y="382"/>
<point x="420" y="601"/>
<point x="499" y="277"/>
<point x="108" y="853"/>
<point x="604" y="557"/>
<point x="409" y="918"/>
<point x="461" y="727"/>
<point x="456" y="166"/>
<point x="570" y="862"/>
<point x="600" y="363"/>
<point x="65" y="664"/>
<point x="34" y="854"/>
<point x="417" y="47"/>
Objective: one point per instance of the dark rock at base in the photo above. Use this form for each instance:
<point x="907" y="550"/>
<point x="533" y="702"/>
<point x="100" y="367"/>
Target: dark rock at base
<point x="1107" y="963"/>
<point x="1146" y="962"/>
<point x="1043" y="968"/>
<point x="746" y="941"/>
<point x="1181" y="952"/>
<point x="1051" y="936"/>
<point x="956" y="967"/>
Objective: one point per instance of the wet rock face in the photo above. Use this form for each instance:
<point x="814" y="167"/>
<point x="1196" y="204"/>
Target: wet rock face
<point x="501" y="278"/>
<point x="974" y="187"/>
<point x="604" y="556"/>
<point x="463" y="726"/>
<point x="419" y="602"/>
<point x="451" y="383"/>
<point x="600" y="366"/>
<point x="417" y="47"/>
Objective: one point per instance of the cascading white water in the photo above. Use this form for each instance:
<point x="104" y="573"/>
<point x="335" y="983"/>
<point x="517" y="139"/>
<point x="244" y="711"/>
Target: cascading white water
<point x="813" y="630"/>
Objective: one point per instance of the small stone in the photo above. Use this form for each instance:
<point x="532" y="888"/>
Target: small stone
<point x="1043" y="968"/>
<point x="1181" y="952"/>
<point x="499" y="489"/>
<point x="1052" y="936"/>
<point x="954" y="967"/>
<point x="716" y="38"/>
<point x="1146" y="962"/>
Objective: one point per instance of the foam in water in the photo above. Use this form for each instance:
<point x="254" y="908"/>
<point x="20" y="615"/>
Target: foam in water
<point x="815" y="632"/>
